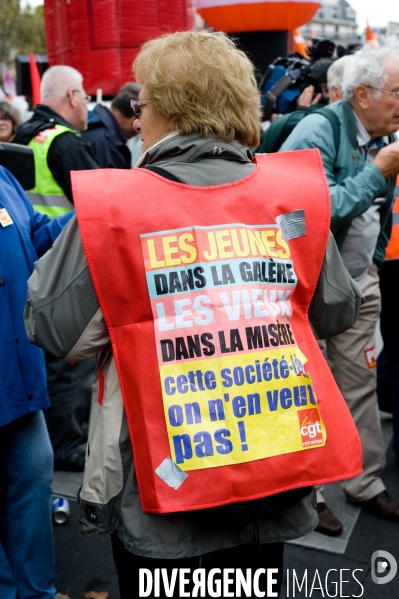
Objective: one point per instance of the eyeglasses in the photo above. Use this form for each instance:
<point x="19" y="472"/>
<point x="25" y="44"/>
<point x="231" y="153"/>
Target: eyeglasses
<point x="137" y="106"/>
<point x="79" y="91"/>
<point x="384" y="91"/>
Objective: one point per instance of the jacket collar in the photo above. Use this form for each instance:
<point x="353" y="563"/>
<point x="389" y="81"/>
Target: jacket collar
<point x="191" y="149"/>
<point x="363" y="137"/>
<point x="43" y="118"/>
<point x="349" y="120"/>
<point x="109" y="121"/>
<point x="45" y="113"/>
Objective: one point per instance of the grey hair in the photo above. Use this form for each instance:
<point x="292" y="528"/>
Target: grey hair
<point x="367" y="68"/>
<point x="335" y="73"/>
<point x="58" y="80"/>
<point x="10" y="111"/>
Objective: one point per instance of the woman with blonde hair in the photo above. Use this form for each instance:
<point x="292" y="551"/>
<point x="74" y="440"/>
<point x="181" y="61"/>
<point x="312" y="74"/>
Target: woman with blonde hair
<point x="198" y="114"/>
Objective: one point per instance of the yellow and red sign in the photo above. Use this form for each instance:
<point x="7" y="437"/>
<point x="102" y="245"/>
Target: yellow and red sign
<point x="234" y="384"/>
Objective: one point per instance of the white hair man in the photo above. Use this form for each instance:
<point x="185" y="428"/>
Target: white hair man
<point x="54" y="134"/>
<point x="335" y="77"/>
<point x="361" y="174"/>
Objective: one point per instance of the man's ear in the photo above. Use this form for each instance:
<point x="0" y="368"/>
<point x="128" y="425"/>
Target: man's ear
<point x="71" y="97"/>
<point x="362" y="95"/>
<point x="335" y="93"/>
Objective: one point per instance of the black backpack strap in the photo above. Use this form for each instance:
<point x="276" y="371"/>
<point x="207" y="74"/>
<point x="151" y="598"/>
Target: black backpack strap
<point x="162" y="173"/>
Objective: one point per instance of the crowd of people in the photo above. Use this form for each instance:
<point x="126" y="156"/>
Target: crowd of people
<point x="192" y="123"/>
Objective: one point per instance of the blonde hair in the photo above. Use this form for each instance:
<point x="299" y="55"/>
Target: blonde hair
<point x="204" y="82"/>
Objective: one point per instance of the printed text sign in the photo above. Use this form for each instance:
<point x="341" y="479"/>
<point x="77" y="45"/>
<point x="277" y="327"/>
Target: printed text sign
<point x="234" y="384"/>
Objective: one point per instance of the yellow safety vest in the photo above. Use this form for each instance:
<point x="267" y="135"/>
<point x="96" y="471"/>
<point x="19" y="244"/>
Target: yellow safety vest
<point x="47" y="196"/>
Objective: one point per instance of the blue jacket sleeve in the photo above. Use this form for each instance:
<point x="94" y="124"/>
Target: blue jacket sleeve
<point x="43" y="230"/>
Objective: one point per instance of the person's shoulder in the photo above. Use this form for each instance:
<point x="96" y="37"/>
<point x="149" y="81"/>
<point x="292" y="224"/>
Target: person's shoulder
<point x="96" y="131"/>
<point x="94" y="119"/>
<point x="309" y="132"/>
<point x="68" y="140"/>
<point x="70" y="151"/>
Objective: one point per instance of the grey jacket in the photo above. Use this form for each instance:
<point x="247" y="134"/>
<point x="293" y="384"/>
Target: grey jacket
<point x="63" y="315"/>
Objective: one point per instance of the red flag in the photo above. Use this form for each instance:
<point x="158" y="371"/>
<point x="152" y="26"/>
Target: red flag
<point x="35" y="79"/>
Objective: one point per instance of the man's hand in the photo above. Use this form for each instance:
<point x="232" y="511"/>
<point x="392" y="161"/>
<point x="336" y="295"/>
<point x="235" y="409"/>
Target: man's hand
<point x="387" y="160"/>
<point x="306" y="98"/>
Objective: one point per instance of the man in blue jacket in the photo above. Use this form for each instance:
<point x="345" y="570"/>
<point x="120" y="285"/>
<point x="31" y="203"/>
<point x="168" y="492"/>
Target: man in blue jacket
<point x="109" y="129"/>
<point x="26" y="456"/>
<point x="361" y="175"/>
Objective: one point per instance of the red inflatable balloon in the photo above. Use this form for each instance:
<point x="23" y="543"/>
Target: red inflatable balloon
<point x="256" y="15"/>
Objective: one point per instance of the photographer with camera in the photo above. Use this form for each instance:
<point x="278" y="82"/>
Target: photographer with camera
<point x="292" y="81"/>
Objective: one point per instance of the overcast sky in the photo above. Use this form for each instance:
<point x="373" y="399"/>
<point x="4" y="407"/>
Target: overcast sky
<point x="378" y="12"/>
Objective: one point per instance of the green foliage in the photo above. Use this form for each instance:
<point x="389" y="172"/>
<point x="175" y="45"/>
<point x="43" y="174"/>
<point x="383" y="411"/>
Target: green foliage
<point x="31" y="35"/>
<point x="21" y="30"/>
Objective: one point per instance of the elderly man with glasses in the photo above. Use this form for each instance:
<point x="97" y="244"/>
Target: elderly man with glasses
<point x="361" y="174"/>
<point x="54" y="134"/>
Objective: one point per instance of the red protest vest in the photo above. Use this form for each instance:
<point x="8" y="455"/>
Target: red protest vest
<point x="205" y="291"/>
<point x="392" y="251"/>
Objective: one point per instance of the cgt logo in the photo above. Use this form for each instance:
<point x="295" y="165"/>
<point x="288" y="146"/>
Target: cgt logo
<point x="311" y="430"/>
<point x="309" y="424"/>
<point x="383" y="562"/>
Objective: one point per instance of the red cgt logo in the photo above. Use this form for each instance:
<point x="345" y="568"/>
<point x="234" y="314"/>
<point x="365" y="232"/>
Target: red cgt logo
<point x="41" y="137"/>
<point x="309" y="422"/>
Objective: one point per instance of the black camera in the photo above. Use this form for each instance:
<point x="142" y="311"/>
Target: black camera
<point x="287" y="77"/>
<point x="20" y="162"/>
